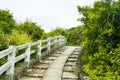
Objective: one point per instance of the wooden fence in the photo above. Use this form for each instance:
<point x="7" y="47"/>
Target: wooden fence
<point x="10" y="53"/>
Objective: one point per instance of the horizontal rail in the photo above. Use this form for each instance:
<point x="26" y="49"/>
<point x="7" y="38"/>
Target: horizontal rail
<point x="22" y="46"/>
<point x="32" y="52"/>
<point x="43" y="41"/>
<point x="5" y="53"/>
<point x="43" y="47"/>
<point x="20" y="57"/>
<point x="4" y="67"/>
<point x="34" y="43"/>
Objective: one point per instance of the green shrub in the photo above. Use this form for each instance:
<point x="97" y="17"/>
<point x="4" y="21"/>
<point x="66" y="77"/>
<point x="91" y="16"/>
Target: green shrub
<point x="4" y="41"/>
<point x="101" y="40"/>
<point x="18" y="38"/>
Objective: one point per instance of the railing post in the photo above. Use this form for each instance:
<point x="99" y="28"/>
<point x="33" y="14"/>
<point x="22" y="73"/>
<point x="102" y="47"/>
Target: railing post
<point x="55" y="41"/>
<point x="63" y="41"/>
<point x="27" y="52"/>
<point x="60" y="40"/>
<point x="48" y="45"/>
<point x="11" y="58"/>
<point x="39" y="51"/>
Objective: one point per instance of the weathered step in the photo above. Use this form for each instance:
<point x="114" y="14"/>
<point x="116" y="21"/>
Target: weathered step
<point x="69" y="75"/>
<point x="72" y="59"/>
<point x="77" y="50"/>
<point x="69" y="79"/>
<point x="51" y="58"/>
<point x="63" y="49"/>
<point x="29" y="78"/>
<point x="54" y="55"/>
<point x="73" y="56"/>
<point x="45" y="62"/>
<point x="69" y="68"/>
<point x="70" y="64"/>
<point x="39" y="66"/>
<point x="58" y="53"/>
<point x="35" y="73"/>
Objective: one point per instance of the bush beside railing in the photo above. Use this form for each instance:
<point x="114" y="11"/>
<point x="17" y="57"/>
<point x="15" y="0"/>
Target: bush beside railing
<point x="10" y="53"/>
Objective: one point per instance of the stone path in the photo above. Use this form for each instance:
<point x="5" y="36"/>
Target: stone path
<point x="70" y="67"/>
<point x="55" y="67"/>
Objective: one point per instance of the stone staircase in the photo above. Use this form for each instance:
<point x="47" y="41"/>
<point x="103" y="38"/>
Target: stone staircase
<point x="70" y="67"/>
<point x="60" y="65"/>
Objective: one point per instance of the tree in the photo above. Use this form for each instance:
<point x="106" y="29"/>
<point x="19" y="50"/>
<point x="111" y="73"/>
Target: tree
<point x="7" y="22"/>
<point x="32" y="29"/>
<point x="101" y="39"/>
<point x="58" y="31"/>
<point x="74" y="36"/>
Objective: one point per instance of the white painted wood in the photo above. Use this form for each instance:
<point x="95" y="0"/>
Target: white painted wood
<point x="27" y="52"/>
<point x="55" y="41"/>
<point x="43" y="47"/>
<point x="34" y="43"/>
<point x="49" y="41"/>
<point x="39" y="51"/>
<point x="4" y="67"/>
<point x="32" y="52"/>
<point x="22" y="46"/>
<point x="20" y="57"/>
<point x="11" y="58"/>
<point x="43" y="41"/>
<point x="5" y="53"/>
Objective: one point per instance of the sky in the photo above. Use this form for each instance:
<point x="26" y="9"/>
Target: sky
<point x="48" y="14"/>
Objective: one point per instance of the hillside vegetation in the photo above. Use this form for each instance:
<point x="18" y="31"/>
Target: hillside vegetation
<point x="13" y="33"/>
<point x="101" y="40"/>
<point x="99" y="37"/>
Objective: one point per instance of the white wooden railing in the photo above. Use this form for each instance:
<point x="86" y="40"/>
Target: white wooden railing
<point x="10" y="53"/>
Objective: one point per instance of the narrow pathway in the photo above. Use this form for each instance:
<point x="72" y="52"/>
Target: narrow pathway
<point x="70" y="67"/>
<point x="52" y="68"/>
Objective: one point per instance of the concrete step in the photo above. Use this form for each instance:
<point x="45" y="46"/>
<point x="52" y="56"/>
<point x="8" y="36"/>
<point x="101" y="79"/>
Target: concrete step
<point x="69" y="68"/>
<point x="73" y="56"/>
<point x="69" y="75"/>
<point x="29" y="78"/>
<point x="70" y="64"/>
<point x="35" y="73"/>
<point x="69" y="79"/>
<point x="45" y="62"/>
<point x="63" y="49"/>
<point x="39" y="66"/>
<point x="76" y="53"/>
<point x="72" y="60"/>
<point x="69" y="71"/>
<point x="58" y="52"/>
<point x="51" y="58"/>
<point x="78" y="50"/>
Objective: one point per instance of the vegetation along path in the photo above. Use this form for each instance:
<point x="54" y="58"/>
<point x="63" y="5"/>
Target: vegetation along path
<point x="61" y="65"/>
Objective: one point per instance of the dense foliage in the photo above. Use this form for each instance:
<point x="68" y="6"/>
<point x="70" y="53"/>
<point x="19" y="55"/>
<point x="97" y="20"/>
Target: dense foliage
<point x="101" y="40"/>
<point x="58" y="31"/>
<point x="74" y="36"/>
<point x="12" y="33"/>
<point x="32" y="29"/>
<point x="7" y="22"/>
